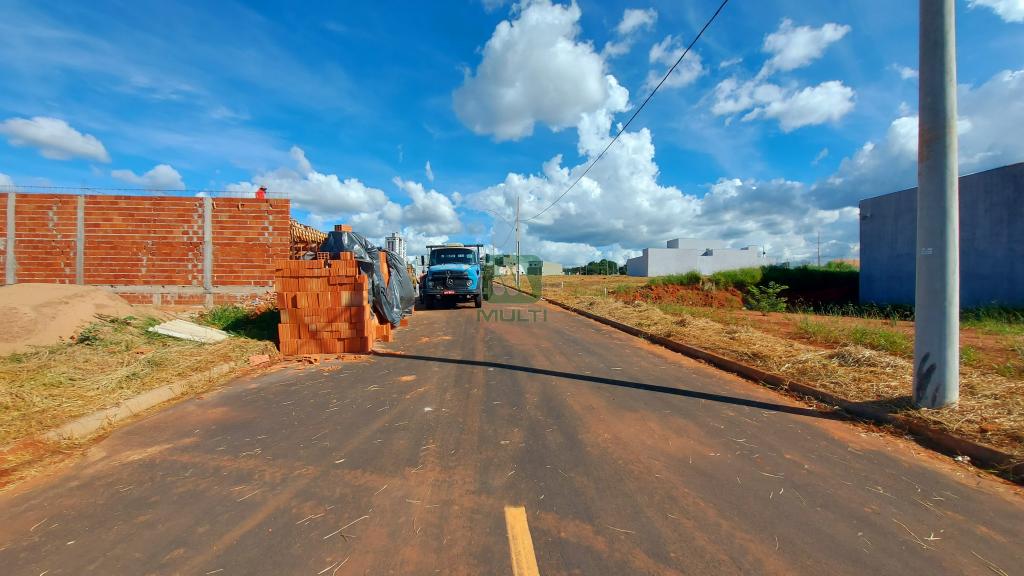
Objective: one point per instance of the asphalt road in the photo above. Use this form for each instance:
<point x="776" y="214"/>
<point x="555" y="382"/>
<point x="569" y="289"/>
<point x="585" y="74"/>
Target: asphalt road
<point x="627" y="459"/>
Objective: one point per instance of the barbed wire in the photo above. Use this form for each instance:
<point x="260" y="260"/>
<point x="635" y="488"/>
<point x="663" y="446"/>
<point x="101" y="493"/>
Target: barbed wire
<point x="102" y="190"/>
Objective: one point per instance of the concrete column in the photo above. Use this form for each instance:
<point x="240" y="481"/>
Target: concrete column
<point x="937" y="292"/>
<point x="208" y="249"/>
<point x="80" y="241"/>
<point x="11" y="267"/>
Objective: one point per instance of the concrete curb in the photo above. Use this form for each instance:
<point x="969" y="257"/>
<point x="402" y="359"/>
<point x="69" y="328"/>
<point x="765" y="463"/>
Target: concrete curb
<point x="981" y="455"/>
<point x="89" y="424"/>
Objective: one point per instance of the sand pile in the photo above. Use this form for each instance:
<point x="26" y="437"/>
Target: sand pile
<point x="42" y="314"/>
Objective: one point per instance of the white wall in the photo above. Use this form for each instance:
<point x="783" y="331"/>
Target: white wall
<point x="662" y="261"/>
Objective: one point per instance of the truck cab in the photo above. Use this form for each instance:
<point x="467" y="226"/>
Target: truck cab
<point x="453" y="275"/>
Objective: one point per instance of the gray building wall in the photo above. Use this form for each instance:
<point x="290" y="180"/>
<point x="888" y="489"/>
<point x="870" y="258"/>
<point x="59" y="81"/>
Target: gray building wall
<point x="991" y="241"/>
<point x="686" y="254"/>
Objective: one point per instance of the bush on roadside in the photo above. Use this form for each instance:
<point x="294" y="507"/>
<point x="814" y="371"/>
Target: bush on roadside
<point x="691" y="278"/>
<point x="258" y="324"/>
<point x="740" y="278"/>
<point x="766" y="299"/>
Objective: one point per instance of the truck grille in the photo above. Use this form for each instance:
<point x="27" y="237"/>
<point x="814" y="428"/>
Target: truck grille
<point x="451" y="281"/>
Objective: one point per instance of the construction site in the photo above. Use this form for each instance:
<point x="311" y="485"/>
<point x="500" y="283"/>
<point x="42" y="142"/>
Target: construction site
<point x="342" y="290"/>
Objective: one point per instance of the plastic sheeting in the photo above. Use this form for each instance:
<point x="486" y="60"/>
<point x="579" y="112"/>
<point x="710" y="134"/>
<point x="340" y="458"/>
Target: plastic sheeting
<point x="392" y="301"/>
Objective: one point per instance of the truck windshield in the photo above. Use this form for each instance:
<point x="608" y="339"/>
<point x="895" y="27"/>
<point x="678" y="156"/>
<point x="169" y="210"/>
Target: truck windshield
<point x="452" y="256"/>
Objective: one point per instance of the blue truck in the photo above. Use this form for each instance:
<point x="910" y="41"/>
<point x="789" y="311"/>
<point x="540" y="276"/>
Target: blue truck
<point x="453" y="274"/>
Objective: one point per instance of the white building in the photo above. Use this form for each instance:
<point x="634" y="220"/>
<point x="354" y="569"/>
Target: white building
<point x="686" y="254"/>
<point x="396" y="244"/>
<point x="544" y="268"/>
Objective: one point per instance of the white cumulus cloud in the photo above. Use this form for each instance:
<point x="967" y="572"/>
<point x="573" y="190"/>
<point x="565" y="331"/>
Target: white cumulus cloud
<point x="301" y="163"/>
<point x="5" y="180"/>
<point x="161" y="177"/>
<point x="905" y="72"/>
<point x="793" y="105"/>
<point x="794" y="47"/>
<point x="430" y="211"/>
<point x="633" y="21"/>
<point x="320" y="193"/>
<point x="534" y="69"/>
<point x="1008" y="10"/>
<point x="991" y="116"/>
<point x="621" y="207"/>
<point x="54" y="138"/>
<point x="826" y="102"/>
<point x="427" y="218"/>
<point x="666" y="53"/>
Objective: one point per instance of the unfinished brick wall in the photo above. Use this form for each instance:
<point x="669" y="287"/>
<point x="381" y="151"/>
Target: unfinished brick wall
<point x="3" y="235"/>
<point x="45" y="238"/>
<point x="147" y="248"/>
<point x="248" y="239"/>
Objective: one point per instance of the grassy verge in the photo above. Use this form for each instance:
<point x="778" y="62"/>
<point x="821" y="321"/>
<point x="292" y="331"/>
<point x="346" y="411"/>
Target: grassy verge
<point x="863" y="363"/>
<point x="880" y="339"/>
<point x="111" y="360"/>
<point x="739" y="279"/>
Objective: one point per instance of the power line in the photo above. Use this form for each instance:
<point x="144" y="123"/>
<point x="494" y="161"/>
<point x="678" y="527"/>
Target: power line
<point x="504" y="243"/>
<point x="641" y="107"/>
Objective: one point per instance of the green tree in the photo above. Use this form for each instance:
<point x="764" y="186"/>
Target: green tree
<point x="766" y="298"/>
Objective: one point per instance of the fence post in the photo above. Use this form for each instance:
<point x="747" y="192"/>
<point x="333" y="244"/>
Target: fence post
<point x="208" y="249"/>
<point x="11" y="268"/>
<point x="80" y="241"/>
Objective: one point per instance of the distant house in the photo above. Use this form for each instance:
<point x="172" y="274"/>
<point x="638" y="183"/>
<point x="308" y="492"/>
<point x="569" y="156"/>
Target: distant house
<point x="991" y="241"/>
<point x="687" y="254"/>
<point x="543" y="268"/>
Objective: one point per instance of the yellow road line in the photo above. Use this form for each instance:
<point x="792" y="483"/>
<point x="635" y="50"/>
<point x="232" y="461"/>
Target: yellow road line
<point x="520" y="544"/>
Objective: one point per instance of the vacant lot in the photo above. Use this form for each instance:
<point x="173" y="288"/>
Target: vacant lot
<point x="867" y="360"/>
<point x="108" y="361"/>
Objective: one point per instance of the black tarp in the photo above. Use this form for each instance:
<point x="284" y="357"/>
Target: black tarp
<point x="393" y="301"/>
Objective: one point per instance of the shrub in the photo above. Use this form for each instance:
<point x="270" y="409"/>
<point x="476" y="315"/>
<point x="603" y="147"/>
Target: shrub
<point x="691" y="278"/>
<point x="234" y="319"/>
<point x="740" y="279"/>
<point x="840" y="266"/>
<point x="766" y="298"/>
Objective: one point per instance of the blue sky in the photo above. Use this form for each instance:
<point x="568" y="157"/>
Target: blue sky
<point x="782" y="118"/>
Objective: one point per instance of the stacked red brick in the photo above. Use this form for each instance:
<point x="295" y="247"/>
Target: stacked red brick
<point x="325" y="307"/>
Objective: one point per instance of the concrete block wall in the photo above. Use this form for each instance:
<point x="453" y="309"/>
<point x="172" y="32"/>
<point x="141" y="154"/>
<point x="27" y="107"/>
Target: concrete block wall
<point x="663" y="261"/>
<point x="991" y="241"/>
<point x="159" y="249"/>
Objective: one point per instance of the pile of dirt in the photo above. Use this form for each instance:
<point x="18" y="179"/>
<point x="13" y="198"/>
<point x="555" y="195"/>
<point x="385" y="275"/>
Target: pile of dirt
<point x="43" y="314"/>
<point x="684" y="295"/>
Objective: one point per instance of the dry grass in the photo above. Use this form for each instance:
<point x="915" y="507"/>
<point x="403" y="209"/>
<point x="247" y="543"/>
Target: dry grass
<point x="113" y="359"/>
<point x="851" y="371"/>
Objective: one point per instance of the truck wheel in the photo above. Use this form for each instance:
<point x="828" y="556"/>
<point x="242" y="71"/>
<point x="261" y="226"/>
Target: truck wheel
<point x="478" y="301"/>
<point x="427" y="304"/>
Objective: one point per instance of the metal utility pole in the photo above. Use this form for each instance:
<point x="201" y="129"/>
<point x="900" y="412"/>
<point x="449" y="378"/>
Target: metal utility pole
<point x="819" y="248"/>
<point x="937" y="293"/>
<point x="517" y="241"/>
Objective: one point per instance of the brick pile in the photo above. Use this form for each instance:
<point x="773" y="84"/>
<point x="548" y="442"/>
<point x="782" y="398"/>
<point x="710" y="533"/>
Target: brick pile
<point x="325" y="306"/>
